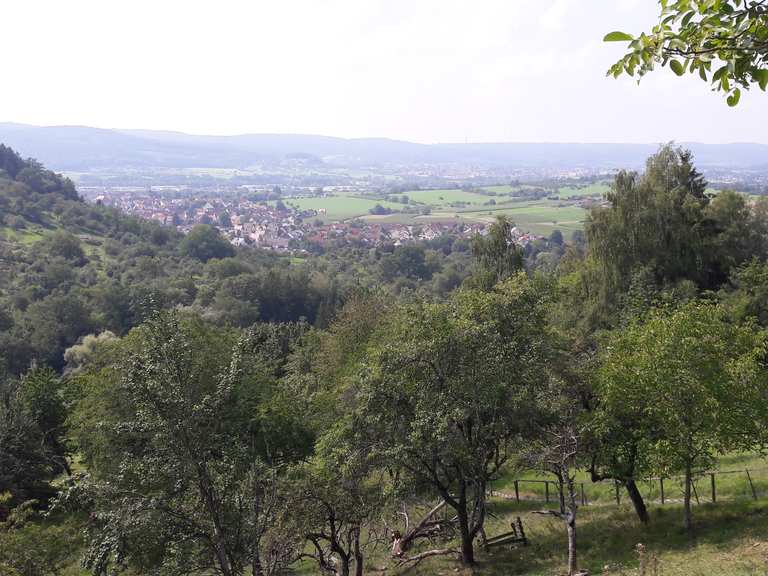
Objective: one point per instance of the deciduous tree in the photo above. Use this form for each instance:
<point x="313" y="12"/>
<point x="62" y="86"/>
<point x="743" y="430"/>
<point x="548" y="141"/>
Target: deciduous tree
<point x="450" y="389"/>
<point x="694" y="385"/>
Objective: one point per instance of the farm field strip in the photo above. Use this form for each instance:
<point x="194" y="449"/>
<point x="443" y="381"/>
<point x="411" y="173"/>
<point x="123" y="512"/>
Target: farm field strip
<point x="340" y="207"/>
<point x="440" y="197"/>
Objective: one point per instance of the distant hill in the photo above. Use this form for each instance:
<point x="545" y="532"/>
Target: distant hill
<point x="79" y="148"/>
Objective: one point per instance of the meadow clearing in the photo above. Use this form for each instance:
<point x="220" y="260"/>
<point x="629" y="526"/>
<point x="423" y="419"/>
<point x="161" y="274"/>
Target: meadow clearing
<point x="539" y="216"/>
<point x="731" y="535"/>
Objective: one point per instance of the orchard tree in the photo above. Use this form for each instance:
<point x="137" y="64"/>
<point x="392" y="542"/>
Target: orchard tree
<point x="450" y="389"/>
<point x="558" y="451"/>
<point x="725" y="42"/>
<point x="199" y="448"/>
<point x="695" y="385"/>
<point x="336" y="500"/>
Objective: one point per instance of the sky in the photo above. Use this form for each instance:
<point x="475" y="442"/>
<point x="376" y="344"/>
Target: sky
<point x="420" y="70"/>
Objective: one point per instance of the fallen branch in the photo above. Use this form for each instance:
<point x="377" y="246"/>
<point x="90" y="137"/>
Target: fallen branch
<point x="426" y="528"/>
<point x="412" y="561"/>
<point x="555" y="513"/>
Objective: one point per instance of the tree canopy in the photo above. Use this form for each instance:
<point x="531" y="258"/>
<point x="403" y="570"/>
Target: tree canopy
<point x="679" y="388"/>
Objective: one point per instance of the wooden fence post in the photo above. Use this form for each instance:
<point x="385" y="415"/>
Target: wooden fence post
<point x="714" y="491"/>
<point x="583" y="496"/>
<point x="618" y="496"/>
<point x="754" y="493"/>
<point x="517" y="491"/>
<point x="546" y="490"/>
<point x="661" y="486"/>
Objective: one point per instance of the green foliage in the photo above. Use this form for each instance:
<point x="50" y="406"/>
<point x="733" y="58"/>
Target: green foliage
<point x="678" y="389"/>
<point x="497" y="257"/>
<point x="43" y="402"/>
<point x="747" y="296"/>
<point x="212" y="441"/>
<point x="196" y="448"/>
<point x="65" y="245"/>
<point x="663" y="224"/>
<point x="204" y="242"/>
<point x="32" y="546"/>
<point x="336" y="503"/>
<point x="406" y="261"/>
<point x="724" y="42"/>
<point x="450" y="388"/>
<point x="32" y="450"/>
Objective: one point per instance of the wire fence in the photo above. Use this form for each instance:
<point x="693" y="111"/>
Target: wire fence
<point x="709" y="486"/>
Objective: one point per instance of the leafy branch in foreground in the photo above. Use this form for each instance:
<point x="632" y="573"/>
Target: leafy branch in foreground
<point x="724" y="41"/>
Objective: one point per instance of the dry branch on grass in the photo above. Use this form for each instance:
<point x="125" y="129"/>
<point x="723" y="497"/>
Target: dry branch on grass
<point x="412" y="561"/>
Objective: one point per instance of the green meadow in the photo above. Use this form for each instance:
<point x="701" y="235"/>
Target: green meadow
<point x="443" y="197"/>
<point x="340" y="207"/>
<point x="598" y="190"/>
<point x="453" y="206"/>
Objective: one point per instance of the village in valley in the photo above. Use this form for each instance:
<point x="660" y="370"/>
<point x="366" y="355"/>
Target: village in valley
<point x="268" y="219"/>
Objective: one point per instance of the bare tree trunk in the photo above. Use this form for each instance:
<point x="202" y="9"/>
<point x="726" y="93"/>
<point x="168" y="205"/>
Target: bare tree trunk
<point x="256" y="565"/>
<point x="206" y="492"/>
<point x="570" y="522"/>
<point x="637" y="500"/>
<point x="344" y="568"/>
<point x="358" y="555"/>
<point x="571" y="528"/>
<point x="687" y="520"/>
<point x="467" y="546"/>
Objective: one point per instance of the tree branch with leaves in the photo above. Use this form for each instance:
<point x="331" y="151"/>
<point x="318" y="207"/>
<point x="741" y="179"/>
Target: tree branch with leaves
<point x="725" y="42"/>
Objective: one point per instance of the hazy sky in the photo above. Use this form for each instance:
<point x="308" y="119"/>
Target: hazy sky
<point x="422" y="70"/>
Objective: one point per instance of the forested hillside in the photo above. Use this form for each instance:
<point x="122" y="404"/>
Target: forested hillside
<point x="171" y="405"/>
<point x="70" y="269"/>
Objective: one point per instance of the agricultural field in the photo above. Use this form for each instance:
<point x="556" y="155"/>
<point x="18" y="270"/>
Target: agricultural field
<point x="597" y="189"/>
<point x="538" y="217"/>
<point x="339" y="207"/>
<point x="505" y="189"/>
<point x="444" y="197"/>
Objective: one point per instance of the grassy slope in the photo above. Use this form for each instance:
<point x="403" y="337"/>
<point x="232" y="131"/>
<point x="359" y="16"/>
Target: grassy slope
<point x="731" y="536"/>
<point x="731" y="539"/>
<point x="25" y="236"/>
<point x="92" y="244"/>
